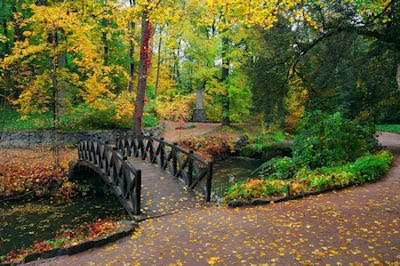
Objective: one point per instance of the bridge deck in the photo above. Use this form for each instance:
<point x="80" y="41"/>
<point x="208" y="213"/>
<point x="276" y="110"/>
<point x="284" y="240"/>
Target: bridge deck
<point x="163" y="193"/>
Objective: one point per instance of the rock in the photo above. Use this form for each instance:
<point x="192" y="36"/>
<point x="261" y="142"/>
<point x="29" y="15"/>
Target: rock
<point x="236" y="203"/>
<point x="32" y="139"/>
<point x="239" y="143"/>
<point x="199" y="115"/>
<point x="260" y="201"/>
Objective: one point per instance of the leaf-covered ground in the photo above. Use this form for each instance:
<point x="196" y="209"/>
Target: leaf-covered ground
<point x="355" y="225"/>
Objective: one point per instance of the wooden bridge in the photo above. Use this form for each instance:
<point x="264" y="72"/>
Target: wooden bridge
<point x="148" y="175"/>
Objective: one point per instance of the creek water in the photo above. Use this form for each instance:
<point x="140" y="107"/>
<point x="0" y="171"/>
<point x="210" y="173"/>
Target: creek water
<point x="25" y="222"/>
<point x="229" y="171"/>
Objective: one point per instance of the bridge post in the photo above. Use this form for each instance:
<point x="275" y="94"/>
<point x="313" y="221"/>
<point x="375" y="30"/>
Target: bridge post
<point x="174" y="159"/>
<point x="190" y="174"/>
<point x="141" y="144"/>
<point x="150" y="144"/>
<point x="209" y="178"/>
<point x="162" y="153"/>
<point x="138" y="187"/>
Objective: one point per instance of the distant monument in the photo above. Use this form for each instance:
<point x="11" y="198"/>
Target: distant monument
<point x="199" y="114"/>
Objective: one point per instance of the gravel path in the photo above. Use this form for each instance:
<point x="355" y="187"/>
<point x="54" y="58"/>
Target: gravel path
<point x="358" y="224"/>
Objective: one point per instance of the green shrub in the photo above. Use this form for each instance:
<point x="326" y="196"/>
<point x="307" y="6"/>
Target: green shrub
<point x="251" y="151"/>
<point x="255" y="188"/>
<point x="370" y="168"/>
<point x="79" y="117"/>
<point x="278" y="168"/>
<point x="326" y="140"/>
<point x="150" y="120"/>
<point x="276" y="150"/>
<point x="365" y="169"/>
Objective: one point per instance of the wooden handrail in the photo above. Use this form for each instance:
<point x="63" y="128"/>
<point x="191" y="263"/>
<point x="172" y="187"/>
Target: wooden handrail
<point x="180" y="162"/>
<point x="116" y="171"/>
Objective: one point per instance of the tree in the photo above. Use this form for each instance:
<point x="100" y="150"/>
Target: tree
<point x="54" y="31"/>
<point x="144" y="66"/>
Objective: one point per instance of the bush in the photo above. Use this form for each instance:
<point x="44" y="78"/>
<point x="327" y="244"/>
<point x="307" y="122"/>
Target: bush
<point x="276" y="150"/>
<point x="279" y="168"/>
<point x="255" y="188"/>
<point x="364" y="169"/>
<point x="370" y="168"/>
<point x="209" y="147"/>
<point x="326" y="140"/>
<point x="251" y="151"/>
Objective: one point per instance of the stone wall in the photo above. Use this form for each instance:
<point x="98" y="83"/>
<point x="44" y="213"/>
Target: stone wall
<point x="31" y="139"/>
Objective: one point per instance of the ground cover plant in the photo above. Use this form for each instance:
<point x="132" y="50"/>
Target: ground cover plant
<point x="209" y="147"/>
<point x="329" y="152"/>
<point x="31" y="172"/>
<point x="368" y="168"/>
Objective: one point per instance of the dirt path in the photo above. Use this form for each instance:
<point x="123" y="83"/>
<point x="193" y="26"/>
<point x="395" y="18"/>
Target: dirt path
<point x="175" y="131"/>
<point x="359" y="224"/>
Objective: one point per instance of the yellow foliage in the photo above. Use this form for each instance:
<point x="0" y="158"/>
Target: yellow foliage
<point x="124" y="106"/>
<point x="295" y="101"/>
<point x="178" y="108"/>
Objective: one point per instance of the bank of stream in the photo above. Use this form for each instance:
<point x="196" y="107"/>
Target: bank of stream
<point x="23" y="223"/>
<point x="229" y="171"/>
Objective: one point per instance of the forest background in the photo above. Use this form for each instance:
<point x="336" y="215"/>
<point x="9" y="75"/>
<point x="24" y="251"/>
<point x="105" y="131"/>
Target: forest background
<point x="75" y="65"/>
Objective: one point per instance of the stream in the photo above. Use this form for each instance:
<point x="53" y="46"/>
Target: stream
<point x="229" y="171"/>
<point x="24" y="222"/>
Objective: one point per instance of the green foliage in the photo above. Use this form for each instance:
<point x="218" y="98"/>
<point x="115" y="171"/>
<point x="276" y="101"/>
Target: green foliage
<point x="389" y="128"/>
<point x="325" y="140"/>
<point x="251" y="151"/>
<point x="368" y="168"/>
<point x="80" y="117"/>
<point x="266" y="138"/>
<point x="276" y="150"/>
<point x="102" y="119"/>
<point x="278" y="168"/>
<point x="265" y="144"/>
<point x="255" y="188"/>
<point x="150" y="120"/>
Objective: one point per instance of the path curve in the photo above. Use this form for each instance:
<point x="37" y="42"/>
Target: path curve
<point x="358" y="224"/>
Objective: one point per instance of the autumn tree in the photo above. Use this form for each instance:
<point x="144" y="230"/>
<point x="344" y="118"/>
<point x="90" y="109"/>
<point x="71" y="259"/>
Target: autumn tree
<point x="54" y="31"/>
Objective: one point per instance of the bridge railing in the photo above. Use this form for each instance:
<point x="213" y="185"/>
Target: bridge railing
<point x="116" y="171"/>
<point x="180" y="162"/>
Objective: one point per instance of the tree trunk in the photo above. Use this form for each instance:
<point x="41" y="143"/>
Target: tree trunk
<point x="131" y="61"/>
<point x="398" y="75"/>
<point x="7" y="73"/>
<point x="62" y="61"/>
<point x="144" y="66"/>
<point x="53" y="64"/>
<point x="224" y="75"/>
<point x="158" y="62"/>
<point x="132" y="27"/>
<point x="105" y="42"/>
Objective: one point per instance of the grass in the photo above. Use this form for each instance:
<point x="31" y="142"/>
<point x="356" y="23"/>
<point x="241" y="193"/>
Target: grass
<point x="79" y="118"/>
<point x="394" y="128"/>
<point x="35" y="121"/>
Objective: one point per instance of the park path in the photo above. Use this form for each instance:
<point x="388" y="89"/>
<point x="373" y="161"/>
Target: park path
<point x="358" y="224"/>
<point x="176" y="131"/>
